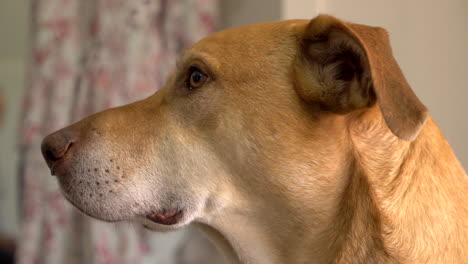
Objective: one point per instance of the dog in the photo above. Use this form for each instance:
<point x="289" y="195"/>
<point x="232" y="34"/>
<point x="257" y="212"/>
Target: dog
<point x="296" y="141"/>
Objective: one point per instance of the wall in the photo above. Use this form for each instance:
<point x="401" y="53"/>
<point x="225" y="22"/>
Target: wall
<point x="13" y="49"/>
<point x="243" y="12"/>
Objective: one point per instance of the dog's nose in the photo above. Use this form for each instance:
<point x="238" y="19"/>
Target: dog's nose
<point x="55" y="146"/>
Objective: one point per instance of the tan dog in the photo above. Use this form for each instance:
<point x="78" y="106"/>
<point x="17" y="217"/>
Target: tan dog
<point x="287" y="142"/>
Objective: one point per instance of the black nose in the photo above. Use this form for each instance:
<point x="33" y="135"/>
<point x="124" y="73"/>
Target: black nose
<point x="55" y="146"/>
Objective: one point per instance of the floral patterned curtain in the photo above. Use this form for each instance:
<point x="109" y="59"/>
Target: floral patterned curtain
<point x="88" y="55"/>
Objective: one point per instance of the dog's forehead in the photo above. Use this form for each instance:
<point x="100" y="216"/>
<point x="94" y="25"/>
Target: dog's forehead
<point x="252" y="41"/>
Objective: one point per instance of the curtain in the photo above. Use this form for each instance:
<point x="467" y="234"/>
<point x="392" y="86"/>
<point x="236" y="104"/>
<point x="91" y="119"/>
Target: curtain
<point x="88" y="55"/>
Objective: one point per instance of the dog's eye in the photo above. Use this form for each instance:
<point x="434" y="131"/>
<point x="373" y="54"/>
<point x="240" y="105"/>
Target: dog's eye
<point x="196" y="79"/>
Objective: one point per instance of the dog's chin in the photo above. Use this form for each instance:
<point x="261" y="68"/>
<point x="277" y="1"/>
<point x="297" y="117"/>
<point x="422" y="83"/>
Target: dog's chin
<point x="99" y="215"/>
<point x="161" y="220"/>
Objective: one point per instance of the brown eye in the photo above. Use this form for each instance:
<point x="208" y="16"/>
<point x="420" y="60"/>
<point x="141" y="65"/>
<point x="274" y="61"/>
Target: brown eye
<point x="196" y="79"/>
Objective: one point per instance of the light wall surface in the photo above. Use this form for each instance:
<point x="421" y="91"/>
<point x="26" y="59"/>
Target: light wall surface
<point x="243" y="12"/>
<point x="13" y="49"/>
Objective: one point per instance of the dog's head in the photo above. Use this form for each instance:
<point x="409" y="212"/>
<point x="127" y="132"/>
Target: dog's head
<point x="246" y="114"/>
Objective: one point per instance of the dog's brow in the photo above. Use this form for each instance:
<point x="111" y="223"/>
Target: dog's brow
<point x="189" y="56"/>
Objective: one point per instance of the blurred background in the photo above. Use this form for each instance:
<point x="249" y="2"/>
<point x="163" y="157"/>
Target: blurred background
<point x="63" y="59"/>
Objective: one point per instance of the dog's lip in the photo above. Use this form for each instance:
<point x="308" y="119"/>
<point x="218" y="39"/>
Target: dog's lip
<point x="166" y="217"/>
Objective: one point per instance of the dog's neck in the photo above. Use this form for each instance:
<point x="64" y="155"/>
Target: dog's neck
<point x="397" y="174"/>
<point x="373" y="218"/>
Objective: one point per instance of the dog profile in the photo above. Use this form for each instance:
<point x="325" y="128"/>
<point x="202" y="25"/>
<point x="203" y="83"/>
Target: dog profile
<point x="285" y="142"/>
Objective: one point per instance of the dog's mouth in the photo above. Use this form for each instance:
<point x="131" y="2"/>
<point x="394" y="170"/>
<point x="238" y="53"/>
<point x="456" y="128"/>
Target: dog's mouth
<point x="166" y="217"/>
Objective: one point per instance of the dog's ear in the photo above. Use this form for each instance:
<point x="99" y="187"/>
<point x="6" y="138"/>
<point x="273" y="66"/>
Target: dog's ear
<point x="346" y="66"/>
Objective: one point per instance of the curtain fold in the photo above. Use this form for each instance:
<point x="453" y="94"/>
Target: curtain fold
<point x="87" y="56"/>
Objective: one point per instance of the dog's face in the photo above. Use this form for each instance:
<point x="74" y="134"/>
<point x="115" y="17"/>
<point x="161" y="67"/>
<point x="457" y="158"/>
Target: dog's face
<point x="243" y="112"/>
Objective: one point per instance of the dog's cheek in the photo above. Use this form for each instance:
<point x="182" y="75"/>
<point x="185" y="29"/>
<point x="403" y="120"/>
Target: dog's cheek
<point x="189" y="169"/>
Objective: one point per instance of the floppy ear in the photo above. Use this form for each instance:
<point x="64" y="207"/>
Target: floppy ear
<point x="346" y="66"/>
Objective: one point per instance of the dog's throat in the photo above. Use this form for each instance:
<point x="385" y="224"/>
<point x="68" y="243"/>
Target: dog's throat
<point x="170" y="217"/>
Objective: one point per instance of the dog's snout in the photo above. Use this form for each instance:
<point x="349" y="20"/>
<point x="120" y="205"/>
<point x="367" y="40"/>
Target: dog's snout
<point x="55" y="146"/>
